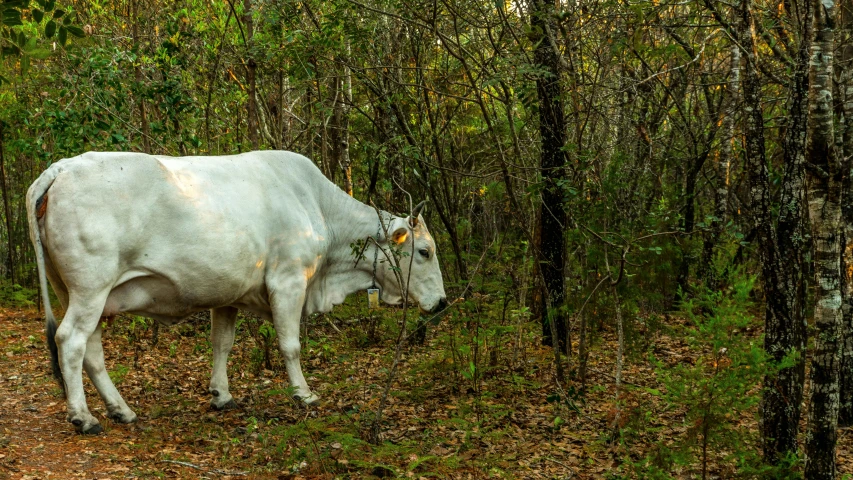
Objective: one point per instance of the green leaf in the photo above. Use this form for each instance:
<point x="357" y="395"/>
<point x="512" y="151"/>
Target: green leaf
<point x="58" y="13"/>
<point x="39" y="53"/>
<point x="12" y="17"/>
<point x="48" y="5"/>
<point x="37" y="15"/>
<point x="75" y="30"/>
<point x="31" y="44"/>
<point x="63" y="36"/>
<point x="66" y="20"/>
<point x="25" y="64"/>
<point x="50" y="29"/>
<point x="11" y="51"/>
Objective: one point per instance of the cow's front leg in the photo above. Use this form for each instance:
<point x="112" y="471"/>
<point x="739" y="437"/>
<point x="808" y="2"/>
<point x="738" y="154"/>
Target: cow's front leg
<point x="287" y="302"/>
<point x="222" y="323"/>
<point x="93" y="362"/>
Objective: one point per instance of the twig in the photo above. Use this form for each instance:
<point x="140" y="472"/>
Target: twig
<point x="394" y="260"/>
<point x="571" y="472"/>
<point x="203" y="469"/>
<point x="461" y="295"/>
<point x="332" y="324"/>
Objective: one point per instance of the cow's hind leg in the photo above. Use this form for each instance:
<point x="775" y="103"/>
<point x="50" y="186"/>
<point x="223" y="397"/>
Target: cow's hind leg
<point x="222" y="323"/>
<point x="72" y="336"/>
<point x="93" y="362"/>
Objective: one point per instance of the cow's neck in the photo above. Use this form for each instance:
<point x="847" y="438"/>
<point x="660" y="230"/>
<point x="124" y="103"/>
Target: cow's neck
<point x="349" y="221"/>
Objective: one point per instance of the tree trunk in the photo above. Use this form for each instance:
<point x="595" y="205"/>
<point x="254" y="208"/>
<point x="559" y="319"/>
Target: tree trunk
<point x="785" y="330"/>
<point x="343" y="108"/>
<point x="7" y="210"/>
<point x="845" y="382"/>
<point x="251" y="69"/>
<point x="137" y="75"/>
<point x="780" y="249"/>
<point x="552" y="217"/>
<point x="825" y="180"/>
<point x="721" y="195"/>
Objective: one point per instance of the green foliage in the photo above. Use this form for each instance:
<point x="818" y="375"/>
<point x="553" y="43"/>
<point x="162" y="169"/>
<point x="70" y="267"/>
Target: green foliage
<point x="713" y="392"/>
<point x="16" y="295"/>
<point x="118" y="373"/>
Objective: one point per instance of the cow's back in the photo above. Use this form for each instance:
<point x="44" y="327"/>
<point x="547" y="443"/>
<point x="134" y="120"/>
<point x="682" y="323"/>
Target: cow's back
<point x="197" y="232"/>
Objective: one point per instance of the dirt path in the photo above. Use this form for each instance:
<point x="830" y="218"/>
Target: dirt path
<point x="37" y="442"/>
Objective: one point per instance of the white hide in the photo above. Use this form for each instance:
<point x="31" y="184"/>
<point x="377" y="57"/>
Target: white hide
<point x="163" y="237"/>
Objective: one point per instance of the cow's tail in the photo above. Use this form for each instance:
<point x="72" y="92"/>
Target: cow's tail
<point x="36" y="207"/>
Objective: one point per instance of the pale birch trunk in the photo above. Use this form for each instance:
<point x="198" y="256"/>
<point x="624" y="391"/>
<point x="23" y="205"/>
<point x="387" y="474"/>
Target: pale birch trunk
<point x="845" y="381"/>
<point x="824" y="182"/>
<point x="137" y="76"/>
<point x="724" y="157"/>
<point x="343" y="124"/>
<point x="251" y="81"/>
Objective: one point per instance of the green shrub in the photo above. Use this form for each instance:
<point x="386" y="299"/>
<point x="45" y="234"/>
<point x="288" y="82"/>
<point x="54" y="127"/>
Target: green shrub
<point x="718" y="393"/>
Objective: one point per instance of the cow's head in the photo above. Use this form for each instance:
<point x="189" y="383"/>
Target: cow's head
<point x="418" y="265"/>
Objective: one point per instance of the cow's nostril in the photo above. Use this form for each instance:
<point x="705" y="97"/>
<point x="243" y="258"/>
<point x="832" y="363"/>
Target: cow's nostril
<point x="442" y="304"/>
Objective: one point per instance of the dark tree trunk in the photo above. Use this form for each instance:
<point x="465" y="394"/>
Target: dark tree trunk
<point x="785" y="290"/>
<point x="781" y="250"/>
<point x="825" y="181"/>
<point x="552" y="217"/>
<point x="7" y="210"/>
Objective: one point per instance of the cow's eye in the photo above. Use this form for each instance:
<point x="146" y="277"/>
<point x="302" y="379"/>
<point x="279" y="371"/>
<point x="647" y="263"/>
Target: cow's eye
<point x="424" y="252"/>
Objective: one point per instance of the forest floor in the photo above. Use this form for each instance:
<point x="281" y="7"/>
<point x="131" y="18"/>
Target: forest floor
<point x="439" y="423"/>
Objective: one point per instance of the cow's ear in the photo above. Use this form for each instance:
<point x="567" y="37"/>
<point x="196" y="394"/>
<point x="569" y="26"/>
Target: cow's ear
<point x="399" y="236"/>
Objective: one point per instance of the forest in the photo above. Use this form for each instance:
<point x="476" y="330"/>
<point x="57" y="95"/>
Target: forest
<point x="643" y="213"/>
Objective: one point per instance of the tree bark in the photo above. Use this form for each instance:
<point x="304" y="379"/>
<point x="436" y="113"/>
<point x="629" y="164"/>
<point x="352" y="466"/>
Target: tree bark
<point x="721" y="194"/>
<point x="251" y="70"/>
<point x="845" y="381"/>
<point x="137" y="75"/>
<point x="825" y="181"/>
<point x="552" y="217"/>
<point x="343" y="109"/>
<point x="781" y="250"/>
<point x="7" y="210"/>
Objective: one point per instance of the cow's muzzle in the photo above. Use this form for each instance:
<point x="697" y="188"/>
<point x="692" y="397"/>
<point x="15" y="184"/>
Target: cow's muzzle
<point x="440" y="306"/>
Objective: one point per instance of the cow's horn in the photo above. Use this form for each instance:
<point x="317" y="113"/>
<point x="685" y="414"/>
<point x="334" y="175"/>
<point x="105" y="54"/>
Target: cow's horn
<point x="416" y="212"/>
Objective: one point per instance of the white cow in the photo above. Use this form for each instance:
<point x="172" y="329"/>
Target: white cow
<point x="163" y="237"/>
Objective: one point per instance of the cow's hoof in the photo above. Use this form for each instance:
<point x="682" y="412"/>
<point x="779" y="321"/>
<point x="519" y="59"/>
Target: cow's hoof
<point x="229" y="405"/>
<point x="91" y="429"/>
<point x="120" y="417"/>
<point x="311" y="400"/>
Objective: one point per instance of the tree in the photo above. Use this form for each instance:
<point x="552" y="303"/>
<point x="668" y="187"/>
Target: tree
<point x="845" y="74"/>
<point x="551" y="216"/>
<point x="781" y="248"/>
<point x="825" y="180"/>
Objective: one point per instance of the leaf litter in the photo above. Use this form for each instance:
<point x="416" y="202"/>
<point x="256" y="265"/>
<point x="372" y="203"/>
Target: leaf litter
<point x="438" y="424"/>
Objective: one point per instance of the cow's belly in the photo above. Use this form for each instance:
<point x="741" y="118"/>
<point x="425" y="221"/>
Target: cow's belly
<point x="158" y="297"/>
